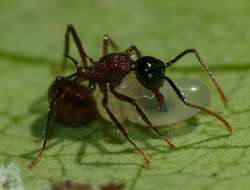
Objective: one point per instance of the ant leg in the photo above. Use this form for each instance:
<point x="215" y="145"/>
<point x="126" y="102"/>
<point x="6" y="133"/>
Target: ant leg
<point x="106" y="41"/>
<point x="185" y="101"/>
<point x="133" y="50"/>
<point x="142" y="114"/>
<point x="50" y="119"/>
<point x="78" y="66"/>
<point x="205" y="67"/>
<point x="71" y="30"/>
<point x="119" y="126"/>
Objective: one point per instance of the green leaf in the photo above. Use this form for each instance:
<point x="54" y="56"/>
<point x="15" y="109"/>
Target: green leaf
<point x="31" y="41"/>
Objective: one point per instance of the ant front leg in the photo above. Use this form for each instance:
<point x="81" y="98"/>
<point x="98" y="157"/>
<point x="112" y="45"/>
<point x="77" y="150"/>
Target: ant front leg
<point x="118" y="125"/>
<point x="50" y="119"/>
<point x="186" y="102"/>
<point x="106" y="41"/>
<point x="205" y="67"/>
<point x="142" y="114"/>
<point x="133" y="50"/>
<point x="71" y="30"/>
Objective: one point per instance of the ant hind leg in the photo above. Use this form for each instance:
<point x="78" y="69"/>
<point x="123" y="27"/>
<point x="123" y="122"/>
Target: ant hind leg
<point x="71" y="30"/>
<point x="50" y="119"/>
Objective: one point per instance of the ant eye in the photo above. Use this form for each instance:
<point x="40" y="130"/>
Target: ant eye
<point x="150" y="72"/>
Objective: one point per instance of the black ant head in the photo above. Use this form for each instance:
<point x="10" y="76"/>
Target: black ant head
<point x="150" y="72"/>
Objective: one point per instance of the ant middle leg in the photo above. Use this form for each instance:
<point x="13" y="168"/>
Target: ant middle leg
<point x="142" y="114"/>
<point x="186" y="102"/>
<point x="106" y="42"/>
<point x="133" y="50"/>
<point x="205" y="67"/>
<point x="71" y="30"/>
<point x="119" y="126"/>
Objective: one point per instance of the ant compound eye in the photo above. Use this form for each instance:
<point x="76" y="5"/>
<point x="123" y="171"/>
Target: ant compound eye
<point x="150" y="72"/>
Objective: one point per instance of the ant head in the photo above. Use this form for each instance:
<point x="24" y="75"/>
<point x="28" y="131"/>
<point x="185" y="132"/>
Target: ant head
<point x="150" y="72"/>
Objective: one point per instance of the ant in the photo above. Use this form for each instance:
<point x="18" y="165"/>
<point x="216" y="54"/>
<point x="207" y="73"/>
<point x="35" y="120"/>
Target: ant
<point x="108" y="73"/>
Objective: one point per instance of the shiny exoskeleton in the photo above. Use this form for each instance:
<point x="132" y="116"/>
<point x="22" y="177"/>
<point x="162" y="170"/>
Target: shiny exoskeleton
<point x="108" y="73"/>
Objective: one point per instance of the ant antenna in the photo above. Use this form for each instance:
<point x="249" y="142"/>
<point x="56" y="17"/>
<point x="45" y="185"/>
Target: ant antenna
<point x="205" y="67"/>
<point x="186" y="102"/>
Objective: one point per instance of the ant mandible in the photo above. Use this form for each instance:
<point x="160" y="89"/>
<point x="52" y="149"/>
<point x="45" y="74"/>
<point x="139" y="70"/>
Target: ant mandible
<point x="108" y="73"/>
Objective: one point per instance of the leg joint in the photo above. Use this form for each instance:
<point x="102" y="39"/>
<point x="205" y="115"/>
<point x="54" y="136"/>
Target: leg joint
<point x="70" y="26"/>
<point x="106" y="37"/>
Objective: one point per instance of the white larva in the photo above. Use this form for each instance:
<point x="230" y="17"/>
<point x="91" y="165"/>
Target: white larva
<point x="173" y="111"/>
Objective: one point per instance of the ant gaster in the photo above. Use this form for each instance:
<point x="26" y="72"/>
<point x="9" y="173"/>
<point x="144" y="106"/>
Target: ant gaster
<point x="108" y="73"/>
<point x="70" y="103"/>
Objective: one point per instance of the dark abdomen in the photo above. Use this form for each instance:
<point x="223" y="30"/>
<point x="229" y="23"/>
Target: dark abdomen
<point x="73" y="104"/>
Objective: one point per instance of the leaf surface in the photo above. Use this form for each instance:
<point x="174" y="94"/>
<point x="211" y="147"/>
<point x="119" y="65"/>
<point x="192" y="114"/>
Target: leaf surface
<point x="31" y="41"/>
